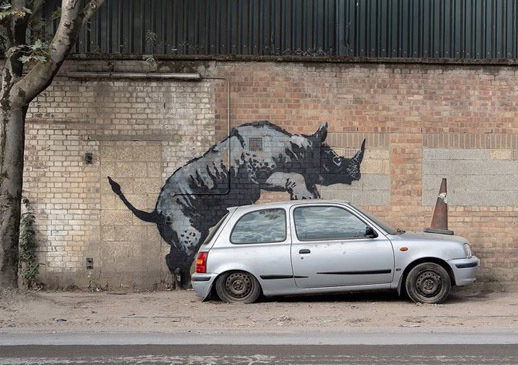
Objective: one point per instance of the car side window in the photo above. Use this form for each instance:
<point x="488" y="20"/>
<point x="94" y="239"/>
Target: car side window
<point x="267" y="225"/>
<point x="316" y="223"/>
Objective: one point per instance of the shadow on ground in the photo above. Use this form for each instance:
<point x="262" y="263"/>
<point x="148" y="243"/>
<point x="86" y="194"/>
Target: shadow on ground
<point x="383" y="296"/>
<point x="476" y="292"/>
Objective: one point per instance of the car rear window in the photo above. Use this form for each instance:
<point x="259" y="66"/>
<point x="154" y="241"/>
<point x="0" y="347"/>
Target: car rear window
<point x="213" y="230"/>
<point x="261" y="226"/>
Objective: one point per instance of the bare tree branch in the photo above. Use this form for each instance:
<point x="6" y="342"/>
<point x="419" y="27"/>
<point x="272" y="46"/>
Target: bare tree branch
<point x="18" y="4"/>
<point x="9" y="35"/>
<point x="19" y="22"/>
<point x="36" y="6"/>
<point x="41" y="75"/>
<point x="90" y="9"/>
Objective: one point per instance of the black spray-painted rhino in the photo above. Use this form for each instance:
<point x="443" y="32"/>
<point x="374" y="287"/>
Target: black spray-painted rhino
<point x="262" y="156"/>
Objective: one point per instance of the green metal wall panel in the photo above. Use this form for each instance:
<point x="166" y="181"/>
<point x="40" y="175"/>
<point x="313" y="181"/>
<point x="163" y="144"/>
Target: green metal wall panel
<point x="452" y="29"/>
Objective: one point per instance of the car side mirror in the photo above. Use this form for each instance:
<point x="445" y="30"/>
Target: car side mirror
<point x="370" y="233"/>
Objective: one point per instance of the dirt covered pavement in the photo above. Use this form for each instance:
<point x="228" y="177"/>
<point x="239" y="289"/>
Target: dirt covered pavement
<point x="483" y="306"/>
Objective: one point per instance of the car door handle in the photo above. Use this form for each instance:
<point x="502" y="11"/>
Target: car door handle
<point x="304" y="251"/>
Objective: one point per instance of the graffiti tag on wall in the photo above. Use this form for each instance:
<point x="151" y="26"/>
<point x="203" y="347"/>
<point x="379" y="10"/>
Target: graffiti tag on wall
<point x="262" y="156"/>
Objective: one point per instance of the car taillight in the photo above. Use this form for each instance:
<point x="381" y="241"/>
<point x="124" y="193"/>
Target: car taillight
<point x="201" y="262"/>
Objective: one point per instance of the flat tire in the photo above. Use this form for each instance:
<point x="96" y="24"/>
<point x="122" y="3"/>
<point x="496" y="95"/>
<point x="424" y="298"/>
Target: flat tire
<point x="238" y="287"/>
<point x="428" y="283"/>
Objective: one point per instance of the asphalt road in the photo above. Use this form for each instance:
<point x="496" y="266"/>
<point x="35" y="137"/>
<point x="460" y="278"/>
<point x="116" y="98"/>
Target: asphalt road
<point x="264" y="354"/>
<point x="401" y="346"/>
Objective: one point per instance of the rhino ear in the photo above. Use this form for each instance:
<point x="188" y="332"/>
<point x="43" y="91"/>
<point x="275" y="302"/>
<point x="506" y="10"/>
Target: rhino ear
<point x="321" y="134"/>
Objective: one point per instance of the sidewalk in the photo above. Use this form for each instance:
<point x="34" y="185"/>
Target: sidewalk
<point x="479" y="308"/>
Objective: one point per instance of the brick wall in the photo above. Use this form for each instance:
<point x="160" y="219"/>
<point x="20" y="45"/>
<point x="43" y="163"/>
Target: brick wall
<point x="138" y="132"/>
<point x="421" y="123"/>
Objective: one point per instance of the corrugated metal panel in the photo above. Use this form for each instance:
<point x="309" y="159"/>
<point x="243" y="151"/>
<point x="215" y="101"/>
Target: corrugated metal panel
<point x="463" y="29"/>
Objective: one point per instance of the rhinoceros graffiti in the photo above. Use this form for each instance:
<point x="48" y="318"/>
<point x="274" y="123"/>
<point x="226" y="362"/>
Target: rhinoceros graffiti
<point x="263" y="156"/>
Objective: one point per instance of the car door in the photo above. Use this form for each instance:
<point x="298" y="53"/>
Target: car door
<point x="260" y="244"/>
<point x="330" y="248"/>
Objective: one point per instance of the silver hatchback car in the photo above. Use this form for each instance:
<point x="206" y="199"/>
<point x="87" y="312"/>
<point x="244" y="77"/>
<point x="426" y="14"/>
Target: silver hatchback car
<point x="316" y="246"/>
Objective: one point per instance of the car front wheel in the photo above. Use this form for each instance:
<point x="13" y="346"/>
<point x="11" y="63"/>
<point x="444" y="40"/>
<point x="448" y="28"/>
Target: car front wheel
<point x="238" y="287"/>
<point x="428" y="283"/>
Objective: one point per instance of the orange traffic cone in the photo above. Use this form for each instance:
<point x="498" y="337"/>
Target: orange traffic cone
<point x="440" y="213"/>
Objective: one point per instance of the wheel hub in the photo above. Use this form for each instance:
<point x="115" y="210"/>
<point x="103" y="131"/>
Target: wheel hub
<point x="429" y="283"/>
<point x="238" y="285"/>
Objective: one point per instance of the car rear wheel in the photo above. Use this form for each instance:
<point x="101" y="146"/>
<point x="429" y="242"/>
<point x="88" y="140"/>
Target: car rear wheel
<point x="428" y="283"/>
<point x="238" y="287"/>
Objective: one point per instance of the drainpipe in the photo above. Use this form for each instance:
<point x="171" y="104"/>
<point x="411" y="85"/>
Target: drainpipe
<point x="133" y="75"/>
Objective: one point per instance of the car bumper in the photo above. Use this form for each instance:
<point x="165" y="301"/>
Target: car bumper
<point x="202" y="284"/>
<point x="465" y="270"/>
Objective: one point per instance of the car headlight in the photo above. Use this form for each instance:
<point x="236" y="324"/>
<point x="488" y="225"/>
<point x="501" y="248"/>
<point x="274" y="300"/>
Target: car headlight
<point x="467" y="250"/>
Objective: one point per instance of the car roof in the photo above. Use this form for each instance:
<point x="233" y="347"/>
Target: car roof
<point x="287" y="204"/>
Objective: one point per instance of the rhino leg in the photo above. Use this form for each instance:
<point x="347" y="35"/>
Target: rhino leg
<point x="295" y="184"/>
<point x="180" y="258"/>
<point x="179" y="263"/>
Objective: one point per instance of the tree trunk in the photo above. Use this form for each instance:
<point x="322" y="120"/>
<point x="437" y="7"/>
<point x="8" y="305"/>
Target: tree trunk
<point x="16" y="93"/>
<point x="12" y="138"/>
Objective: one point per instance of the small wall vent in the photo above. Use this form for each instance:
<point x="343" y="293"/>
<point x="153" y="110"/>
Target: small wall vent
<point x="89" y="158"/>
<point x="255" y="144"/>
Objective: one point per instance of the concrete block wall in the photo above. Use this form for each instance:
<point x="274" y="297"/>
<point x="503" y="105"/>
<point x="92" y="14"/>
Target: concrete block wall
<point x="421" y="123"/>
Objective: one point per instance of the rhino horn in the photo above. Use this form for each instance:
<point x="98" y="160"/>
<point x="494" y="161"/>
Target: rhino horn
<point x="358" y="157"/>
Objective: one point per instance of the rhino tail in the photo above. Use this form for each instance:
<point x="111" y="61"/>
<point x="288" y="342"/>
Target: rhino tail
<point x="140" y="214"/>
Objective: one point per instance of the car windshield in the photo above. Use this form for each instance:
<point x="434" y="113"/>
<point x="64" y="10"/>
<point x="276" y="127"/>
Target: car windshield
<point x="214" y="229"/>
<point x="383" y="225"/>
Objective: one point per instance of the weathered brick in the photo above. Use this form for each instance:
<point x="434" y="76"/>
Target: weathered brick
<point x="419" y="122"/>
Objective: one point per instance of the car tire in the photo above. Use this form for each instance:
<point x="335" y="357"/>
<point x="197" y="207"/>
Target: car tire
<point x="238" y="287"/>
<point x="428" y="283"/>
